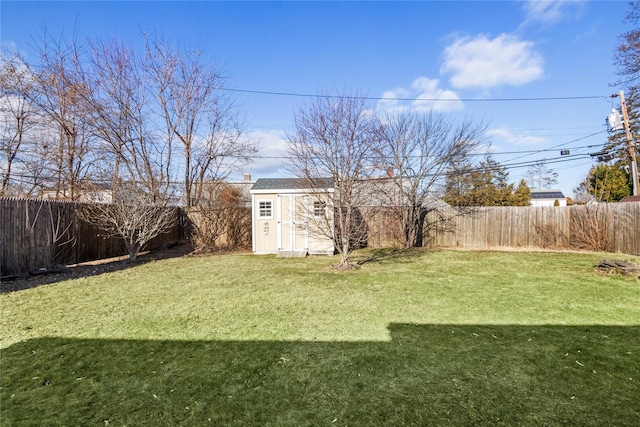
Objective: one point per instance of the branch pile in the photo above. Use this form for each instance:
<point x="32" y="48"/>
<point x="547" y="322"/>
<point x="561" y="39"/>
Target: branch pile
<point x="619" y="267"/>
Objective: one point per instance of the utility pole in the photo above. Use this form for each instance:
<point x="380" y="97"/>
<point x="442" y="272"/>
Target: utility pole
<point x="630" y="145"/>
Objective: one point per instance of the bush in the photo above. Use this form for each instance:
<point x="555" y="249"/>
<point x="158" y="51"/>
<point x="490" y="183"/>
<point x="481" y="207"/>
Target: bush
<point x="220" y="220"/>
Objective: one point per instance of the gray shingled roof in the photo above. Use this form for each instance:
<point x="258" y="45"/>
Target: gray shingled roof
<point x="291" y="183"/>
<point x="547" y="194"/>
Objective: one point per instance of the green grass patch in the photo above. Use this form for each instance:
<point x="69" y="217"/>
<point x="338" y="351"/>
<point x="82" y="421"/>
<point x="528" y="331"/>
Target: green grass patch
<point x="437" y="338"/>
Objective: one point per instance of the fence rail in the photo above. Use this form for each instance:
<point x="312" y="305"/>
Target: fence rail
<point x="41" y="233"/>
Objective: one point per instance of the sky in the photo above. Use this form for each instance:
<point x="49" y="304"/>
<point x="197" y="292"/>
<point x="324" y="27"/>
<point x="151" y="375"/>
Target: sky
<point x="539" y="73"/>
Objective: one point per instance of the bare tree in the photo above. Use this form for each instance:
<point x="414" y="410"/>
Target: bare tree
<point x="337" y="137"/>
<point x="134" y="215"/>
<point x="121" y="119"/>
<point x="24" y="149"/>
<point x="145" y="117"/>
<point x="418" y="150"/>
<point x="60" y="88"/>
<point x="541" y="176"/>
<point x="16" y="115"/>
<point x="197" y="114"/>
<point x="627" y="54"/>
<point x="136" y="161"/>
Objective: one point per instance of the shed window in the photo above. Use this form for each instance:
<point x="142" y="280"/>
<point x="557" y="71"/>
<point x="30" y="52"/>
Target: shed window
<point x="319" y="209"/>
<point x="265" y="209"/>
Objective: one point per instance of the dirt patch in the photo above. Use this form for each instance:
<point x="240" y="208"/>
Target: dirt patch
<point x="91" y="268"/>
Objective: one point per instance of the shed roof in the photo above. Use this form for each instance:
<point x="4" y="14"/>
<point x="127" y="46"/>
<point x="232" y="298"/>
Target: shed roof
<point x="546" y="194"/>
<point x="291" y="184"/>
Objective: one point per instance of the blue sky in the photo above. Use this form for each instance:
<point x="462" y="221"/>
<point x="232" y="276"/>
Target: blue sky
<point x="503" y="62"/>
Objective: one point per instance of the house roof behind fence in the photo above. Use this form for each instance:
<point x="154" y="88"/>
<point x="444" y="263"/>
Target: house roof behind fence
<point x="292" y="184"/>
<point x="546" y="194"/>
<point x="631" y="199"/>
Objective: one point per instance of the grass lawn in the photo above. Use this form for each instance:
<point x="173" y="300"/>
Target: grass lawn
<point x="417" y="338"/>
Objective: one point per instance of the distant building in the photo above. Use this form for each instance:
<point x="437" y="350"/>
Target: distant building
<point x="98" y="193"/>
<point x="630" y="199"/>
<point x="245" y="189"/>
<point x="547" y="198"/>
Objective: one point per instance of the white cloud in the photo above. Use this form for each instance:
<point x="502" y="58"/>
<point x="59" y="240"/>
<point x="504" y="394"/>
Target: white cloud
<point x="432" y="98"/>
<point x="272" y="149"/>
<point x="550" y="11"/>
<point x="485" y="63"/>
<point x="391" y="103"/>
<point x="423" y="95"/>
<point x="514" y="139"/>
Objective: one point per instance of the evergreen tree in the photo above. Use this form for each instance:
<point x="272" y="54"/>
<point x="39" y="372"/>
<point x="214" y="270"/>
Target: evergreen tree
<point x="492" y="186"/>
<point x="608" y="183"/>
<point x="522" y="195"/>
<point x="458" y="183"/>
<point x="484" y="185"/>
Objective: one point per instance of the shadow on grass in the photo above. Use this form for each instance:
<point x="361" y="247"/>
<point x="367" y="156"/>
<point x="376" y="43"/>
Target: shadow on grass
<point x="396" y="254"/>
<point x="93" y="268"/>
<point x="426" y="375"/>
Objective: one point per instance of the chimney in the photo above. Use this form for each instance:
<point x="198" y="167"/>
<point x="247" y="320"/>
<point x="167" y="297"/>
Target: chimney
<point x="247" y="177"/>
<point x="390" y="172"/>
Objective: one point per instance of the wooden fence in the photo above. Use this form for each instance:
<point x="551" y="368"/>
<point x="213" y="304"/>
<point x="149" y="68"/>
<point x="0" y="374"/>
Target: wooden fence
<point x="42" y="233"/>
<point x="38" y="233"/>
<point x="604" y="227"/>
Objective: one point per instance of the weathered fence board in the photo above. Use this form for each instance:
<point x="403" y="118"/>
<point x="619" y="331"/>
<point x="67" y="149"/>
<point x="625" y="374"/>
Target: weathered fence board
<point x="41" y="233"/>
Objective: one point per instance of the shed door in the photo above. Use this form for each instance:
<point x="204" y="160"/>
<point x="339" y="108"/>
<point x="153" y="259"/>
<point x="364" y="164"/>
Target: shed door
<point x="300" y="223"/>
<point x="292" y="223"/>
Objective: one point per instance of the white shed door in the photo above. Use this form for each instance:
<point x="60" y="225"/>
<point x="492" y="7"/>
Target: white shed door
<point x="293" y="233"/>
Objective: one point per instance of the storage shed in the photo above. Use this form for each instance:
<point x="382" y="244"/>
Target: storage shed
<point x="292" y="216"/>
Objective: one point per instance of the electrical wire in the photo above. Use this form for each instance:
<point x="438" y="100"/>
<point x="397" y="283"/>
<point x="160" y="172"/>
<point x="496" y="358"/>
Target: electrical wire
<point x="375" y="98"/>
<point x="370" y="98"/>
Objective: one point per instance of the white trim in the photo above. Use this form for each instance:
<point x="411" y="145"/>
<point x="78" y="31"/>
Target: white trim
<point x="253" y="223"/>
<point x="278" y="222"/>
<point x="306" y="222"/>
<point x="288" y="225"/>
<point x="292" y="222"/>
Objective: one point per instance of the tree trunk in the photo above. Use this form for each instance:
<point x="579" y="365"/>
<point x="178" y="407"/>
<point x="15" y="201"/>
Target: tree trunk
<point x="133" y="249"/>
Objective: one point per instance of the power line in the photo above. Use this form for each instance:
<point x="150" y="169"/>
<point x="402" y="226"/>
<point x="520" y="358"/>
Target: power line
<point x="559" y="145"/>
<point x="374" y="98"/>
<point x="14" y="62"/>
